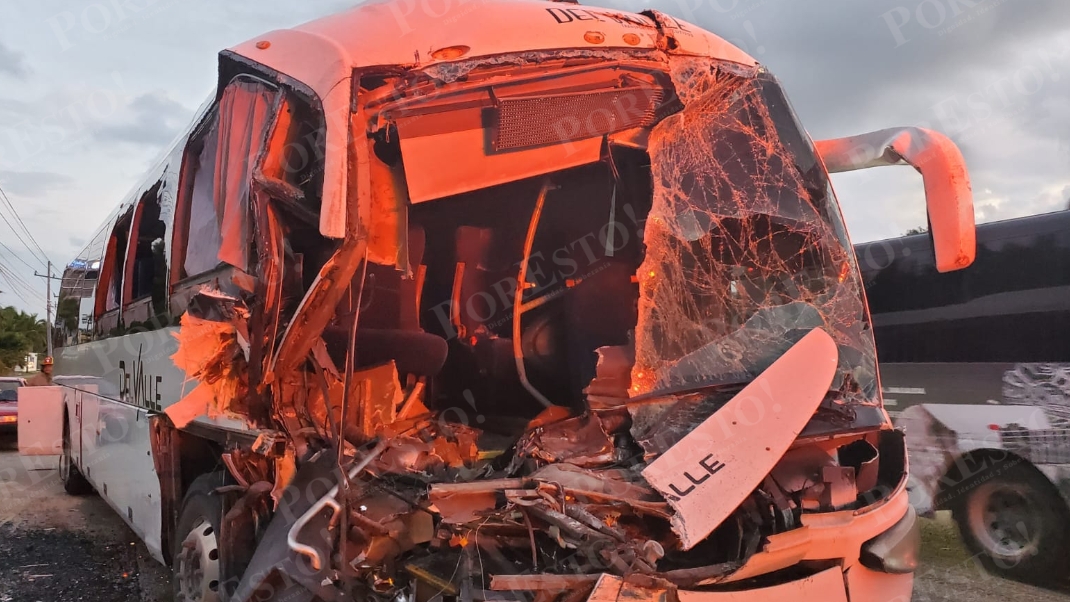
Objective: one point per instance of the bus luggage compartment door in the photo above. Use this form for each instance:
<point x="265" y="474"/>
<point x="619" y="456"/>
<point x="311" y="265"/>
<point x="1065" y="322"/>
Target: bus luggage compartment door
<point x="41" y="421"/>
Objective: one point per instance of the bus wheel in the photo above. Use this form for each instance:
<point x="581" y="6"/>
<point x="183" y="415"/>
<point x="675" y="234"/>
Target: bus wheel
<point x="73" y="481"/>
<point x="1017" y="524"/>
<point x="195" y="567"/>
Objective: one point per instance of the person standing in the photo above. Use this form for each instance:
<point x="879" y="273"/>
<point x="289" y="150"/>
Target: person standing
<point x="44" y="377"/>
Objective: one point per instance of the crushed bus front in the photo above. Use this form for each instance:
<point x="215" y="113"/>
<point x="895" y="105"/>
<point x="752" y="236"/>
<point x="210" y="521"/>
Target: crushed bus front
<point x="568" y="311"/>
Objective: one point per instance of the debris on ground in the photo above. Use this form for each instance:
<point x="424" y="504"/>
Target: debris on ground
<point x="51" y="564"/>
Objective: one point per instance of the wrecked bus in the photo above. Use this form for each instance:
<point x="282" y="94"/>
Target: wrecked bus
<point x="554" y="301"/>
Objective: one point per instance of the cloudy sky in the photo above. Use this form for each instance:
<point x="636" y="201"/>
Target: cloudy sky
<point x="91" y="92"/>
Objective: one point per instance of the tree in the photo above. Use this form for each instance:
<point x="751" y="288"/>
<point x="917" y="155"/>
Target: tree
<point x="67" y="313"/>
<point x="20" y="333"/>
<point x="918" y="230"/>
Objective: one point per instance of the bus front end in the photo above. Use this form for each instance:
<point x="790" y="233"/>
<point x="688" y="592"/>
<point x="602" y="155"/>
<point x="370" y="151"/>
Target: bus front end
<point x="576" y="316"/>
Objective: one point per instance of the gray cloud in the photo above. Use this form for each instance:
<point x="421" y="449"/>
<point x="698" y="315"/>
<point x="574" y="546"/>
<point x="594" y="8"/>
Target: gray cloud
<point x="154" y="120"/>
<point x="840" y="60"/>
<point x="848" y="66"/>
<point x="13" y="63"/>
<point x="989" y="73"/>
<point x="32" y="183"/>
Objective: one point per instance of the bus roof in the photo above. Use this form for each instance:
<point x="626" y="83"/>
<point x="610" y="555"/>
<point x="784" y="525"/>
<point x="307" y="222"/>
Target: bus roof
<point x="323" y="54"/>
<point x="1029" y="224"/>
<point x="407" y="32"/>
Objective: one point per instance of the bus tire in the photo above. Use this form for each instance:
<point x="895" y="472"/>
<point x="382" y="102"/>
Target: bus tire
<point x="73" y="481"/>
<point x="1017" y="524"/>
<point x="195" y="565"/>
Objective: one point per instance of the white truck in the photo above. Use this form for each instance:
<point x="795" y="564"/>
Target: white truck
<point x="975" y="368"/>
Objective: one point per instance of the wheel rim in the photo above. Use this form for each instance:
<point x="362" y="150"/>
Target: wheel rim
<point x="197" y="565"/>
<point x="1005" y="521"/>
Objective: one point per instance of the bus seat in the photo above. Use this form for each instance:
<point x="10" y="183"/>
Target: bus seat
<point x="414" y="352"/>
<point x="389" y="326"/>
<point x="388" y="298"/>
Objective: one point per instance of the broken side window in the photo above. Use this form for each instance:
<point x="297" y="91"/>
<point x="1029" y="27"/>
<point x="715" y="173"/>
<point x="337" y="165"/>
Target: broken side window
<point x="144" y="283"/>
<point x="109" y="289"/>
<point x="203" y="221"/>
<point x="220" y="164"/>
<point x="246" y="110"/>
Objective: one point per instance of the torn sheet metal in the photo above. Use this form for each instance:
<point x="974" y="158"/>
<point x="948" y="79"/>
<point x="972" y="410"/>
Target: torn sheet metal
<point x="583" y="441"/>
<point x="212" y="354"/>
<point x="714" y="468"/>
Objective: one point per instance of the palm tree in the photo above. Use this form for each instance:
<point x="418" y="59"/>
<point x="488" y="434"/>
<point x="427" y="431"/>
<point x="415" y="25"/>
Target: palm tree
<point x="20" y="333"/>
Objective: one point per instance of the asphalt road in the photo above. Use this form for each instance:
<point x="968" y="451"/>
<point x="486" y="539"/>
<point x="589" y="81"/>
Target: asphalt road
<point x="58" y="548"/>
<point x="906" y="385"/>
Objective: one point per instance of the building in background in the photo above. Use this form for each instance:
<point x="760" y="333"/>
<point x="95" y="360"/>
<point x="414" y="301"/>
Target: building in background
<point x="30" y="366"/>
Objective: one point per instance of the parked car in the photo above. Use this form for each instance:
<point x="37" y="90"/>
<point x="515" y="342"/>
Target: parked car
<point x="9" y="400"/>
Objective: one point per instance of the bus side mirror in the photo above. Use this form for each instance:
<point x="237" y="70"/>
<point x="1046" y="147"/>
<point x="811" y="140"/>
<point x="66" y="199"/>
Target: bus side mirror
<point x="947" y="183"/>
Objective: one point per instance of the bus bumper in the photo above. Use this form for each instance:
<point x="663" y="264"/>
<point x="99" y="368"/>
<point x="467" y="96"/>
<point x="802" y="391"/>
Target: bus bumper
<point x="868" y="555"/>
<point x="830" y="585"/>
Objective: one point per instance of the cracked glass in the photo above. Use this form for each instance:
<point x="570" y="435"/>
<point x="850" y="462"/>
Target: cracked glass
<point x="746" y="247"/>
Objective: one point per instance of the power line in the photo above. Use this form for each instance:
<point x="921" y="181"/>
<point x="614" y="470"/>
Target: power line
<point x="15" y="232"/>
<point x="18" y="219"/>
<point x="17" y="281"/>
<point x="19" y="288"/>
<point x="15" y="255"/>
<point x="13" y="274"/>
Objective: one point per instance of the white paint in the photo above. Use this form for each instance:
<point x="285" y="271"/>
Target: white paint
<point x="712" y="469"/>
<point x="40" y="421"/>
<point x="904" y="391"/>
<point x="109" y="420"/>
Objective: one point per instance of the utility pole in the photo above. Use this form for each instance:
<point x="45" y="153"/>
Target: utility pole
<point x="48" y="307"/>
<point x="48" y="304"/>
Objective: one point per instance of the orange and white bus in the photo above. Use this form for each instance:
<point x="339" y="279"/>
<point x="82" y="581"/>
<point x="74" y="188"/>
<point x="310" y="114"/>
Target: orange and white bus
<point x="527" y="299"/>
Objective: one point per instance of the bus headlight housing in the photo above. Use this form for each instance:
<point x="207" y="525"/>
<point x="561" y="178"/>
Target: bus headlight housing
<point x="896" y="550"/>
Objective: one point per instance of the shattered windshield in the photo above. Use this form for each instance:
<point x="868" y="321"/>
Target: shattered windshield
<point x="746" y="249"/>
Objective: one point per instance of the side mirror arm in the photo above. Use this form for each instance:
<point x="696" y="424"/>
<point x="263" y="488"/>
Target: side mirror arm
<point x="943" y="170"/>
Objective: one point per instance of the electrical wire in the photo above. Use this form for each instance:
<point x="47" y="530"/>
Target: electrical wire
<point x="14" y="275"/>
<point x="15" y="255"/>
<point x="26" y="293"/>
<point x="20" y="286"/>
<point x="18" y="236"/>
<point x="11" y="208"/>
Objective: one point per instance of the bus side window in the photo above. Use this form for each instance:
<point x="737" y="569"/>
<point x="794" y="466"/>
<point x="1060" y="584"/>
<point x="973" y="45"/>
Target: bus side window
<point x="144" y="281"/>
<point x="110" y="285"/>
<point x="212" y="230"/>
<point x="201" y="224"/>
